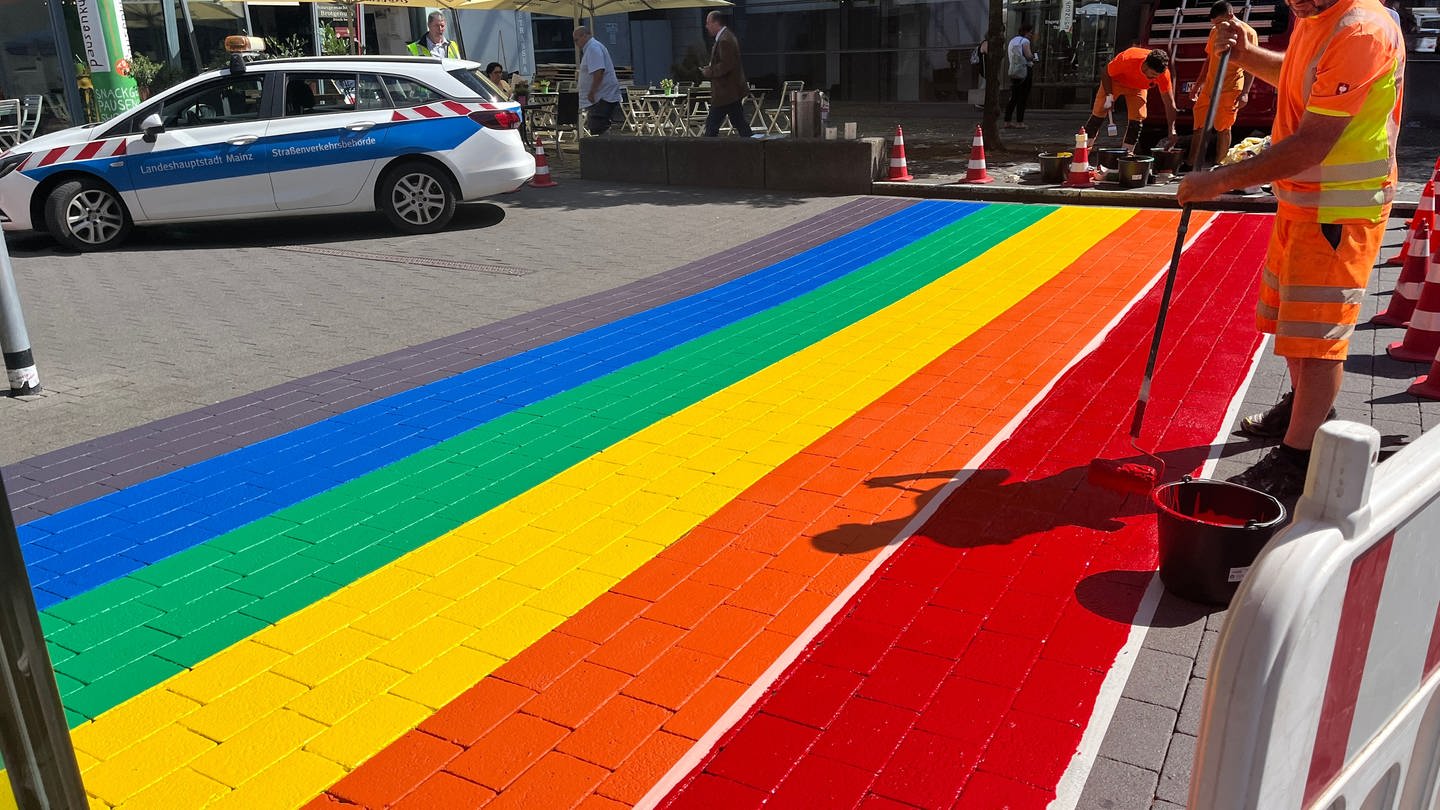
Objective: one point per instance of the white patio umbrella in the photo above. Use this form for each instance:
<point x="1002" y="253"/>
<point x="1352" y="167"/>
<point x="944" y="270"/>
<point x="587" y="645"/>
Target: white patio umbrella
<point x="1096" y="10"/>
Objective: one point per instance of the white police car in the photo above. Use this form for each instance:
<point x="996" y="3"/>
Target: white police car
<point x="408" y="136"/>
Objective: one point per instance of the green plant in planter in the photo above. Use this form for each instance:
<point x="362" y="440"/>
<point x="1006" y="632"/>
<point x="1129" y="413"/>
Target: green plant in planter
<point x="331" y="44"/>
<point x="290" y="47"/>
<point x="143" y="70"/>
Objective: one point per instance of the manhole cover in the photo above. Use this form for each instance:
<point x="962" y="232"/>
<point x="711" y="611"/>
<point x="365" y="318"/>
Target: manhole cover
<point x="447" y="264"/>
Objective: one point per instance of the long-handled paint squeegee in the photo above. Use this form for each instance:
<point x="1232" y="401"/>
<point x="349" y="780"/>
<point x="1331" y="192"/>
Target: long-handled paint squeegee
<point x="1130" y="476"/>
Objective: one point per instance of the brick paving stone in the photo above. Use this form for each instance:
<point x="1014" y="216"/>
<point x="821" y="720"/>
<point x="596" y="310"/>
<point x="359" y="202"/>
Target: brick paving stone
<point x="1116" y="785"/>
<point x="1139" y="734"/>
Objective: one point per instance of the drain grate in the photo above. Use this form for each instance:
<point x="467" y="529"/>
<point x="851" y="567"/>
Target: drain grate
<point x="447" y="264"/>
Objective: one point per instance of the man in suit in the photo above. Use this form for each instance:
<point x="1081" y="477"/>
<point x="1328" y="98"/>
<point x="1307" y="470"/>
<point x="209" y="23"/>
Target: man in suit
<point x="727" y="79"/>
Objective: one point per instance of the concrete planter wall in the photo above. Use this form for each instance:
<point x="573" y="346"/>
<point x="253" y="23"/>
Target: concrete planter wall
<point x="782" y="164"/>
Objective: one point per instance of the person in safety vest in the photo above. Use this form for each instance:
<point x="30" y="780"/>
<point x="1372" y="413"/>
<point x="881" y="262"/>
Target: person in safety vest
<point x="1130" y="75"/>
<point x="1332" y="162"/>
<point x="1234" y="86"/>
<point x="434" y="43"/>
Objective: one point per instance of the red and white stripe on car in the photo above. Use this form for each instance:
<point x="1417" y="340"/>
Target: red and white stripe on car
<point x="109" y="147"/>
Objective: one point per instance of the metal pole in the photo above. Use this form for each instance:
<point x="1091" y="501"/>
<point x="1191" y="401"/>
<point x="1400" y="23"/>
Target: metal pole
<point x="34" y="736"/>
<point x="66" y="57"/>
<point x="14" y="341"/>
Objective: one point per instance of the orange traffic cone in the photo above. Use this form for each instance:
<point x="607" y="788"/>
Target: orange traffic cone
<point x="1411" y="282"/>
<point x="1079" y="176"/>
<point x="1422" y="336"/>
<point x="1427" y="385"/>
<point x="542" y="177"/>
<point x="975" y="173"/>
<point x="899" y="172"/>
<point x="1427" y="204"/>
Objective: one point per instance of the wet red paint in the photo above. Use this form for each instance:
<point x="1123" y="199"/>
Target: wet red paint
<point x="1218" y="519"/>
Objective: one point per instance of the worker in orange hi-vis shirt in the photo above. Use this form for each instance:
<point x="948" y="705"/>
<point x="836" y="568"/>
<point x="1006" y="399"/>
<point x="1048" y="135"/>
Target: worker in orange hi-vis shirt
<point x="1332" y="162"/>
<point x="1130" y="75"/>
<point x="1234" y="86"/>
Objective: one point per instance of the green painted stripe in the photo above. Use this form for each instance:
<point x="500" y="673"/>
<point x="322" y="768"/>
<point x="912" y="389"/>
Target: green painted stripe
<point x="133" y="633"/>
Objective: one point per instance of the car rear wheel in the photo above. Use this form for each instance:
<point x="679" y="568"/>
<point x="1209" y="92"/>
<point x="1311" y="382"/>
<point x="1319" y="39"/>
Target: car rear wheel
<point x="85" y="214"/>
<point x="417" y="197"/>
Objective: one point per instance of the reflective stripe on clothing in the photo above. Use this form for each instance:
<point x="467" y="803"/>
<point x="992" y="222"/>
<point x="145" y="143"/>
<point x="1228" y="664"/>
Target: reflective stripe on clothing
<point x="1310" y="292"/>
<point x="1347" y="61"/>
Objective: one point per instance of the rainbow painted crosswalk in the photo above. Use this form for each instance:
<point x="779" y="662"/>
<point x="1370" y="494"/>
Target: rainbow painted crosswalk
<point x="545" y="578"/>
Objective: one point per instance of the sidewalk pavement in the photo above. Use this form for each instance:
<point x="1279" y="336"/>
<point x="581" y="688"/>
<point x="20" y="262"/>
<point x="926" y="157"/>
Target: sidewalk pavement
<point x="1145" y="755"/>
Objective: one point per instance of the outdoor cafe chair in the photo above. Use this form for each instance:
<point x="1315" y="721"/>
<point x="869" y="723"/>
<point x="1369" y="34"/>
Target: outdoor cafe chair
<point x="10" y="122"/>
<point x="31" y="108"/>
<point x="779" y="115"/>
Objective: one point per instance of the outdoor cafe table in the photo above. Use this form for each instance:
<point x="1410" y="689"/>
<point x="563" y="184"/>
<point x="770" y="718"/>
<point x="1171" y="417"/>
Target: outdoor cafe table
<point x="670" y="112"/>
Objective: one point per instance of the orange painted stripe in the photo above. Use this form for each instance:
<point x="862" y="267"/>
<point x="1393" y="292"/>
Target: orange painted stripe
<point x="607" y="703"/>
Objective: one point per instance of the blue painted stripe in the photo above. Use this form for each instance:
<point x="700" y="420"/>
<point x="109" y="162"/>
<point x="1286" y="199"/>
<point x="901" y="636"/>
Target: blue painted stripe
<point x="90" y="544"/>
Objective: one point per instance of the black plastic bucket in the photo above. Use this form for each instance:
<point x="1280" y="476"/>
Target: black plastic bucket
<point x="1135" y="170"/>
<point x="1210" y="533"/>
<point x="1054" y="165"/>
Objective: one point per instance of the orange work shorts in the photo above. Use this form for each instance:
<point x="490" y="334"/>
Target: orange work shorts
<point x="1134" y="101"/>
<point x="1313" y="285"/>
<point x="1224" y="114"/>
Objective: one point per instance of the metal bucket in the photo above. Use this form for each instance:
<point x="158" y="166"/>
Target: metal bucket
<point x="1135" y="171"/>
<point x="1054" y="165"/>
<point x="1210" y="533"/>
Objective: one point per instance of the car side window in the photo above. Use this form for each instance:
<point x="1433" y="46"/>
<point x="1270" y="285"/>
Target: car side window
<point x="408" y="92"/>
<point x="224" y="101"/>
<point x="330" y="92"/>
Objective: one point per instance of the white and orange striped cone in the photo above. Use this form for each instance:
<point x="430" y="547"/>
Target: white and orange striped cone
<point x="1427" y="386"/>
<point x="1410" y="284"/>
<point x="899" y="172"/>
<point x="1422" y="336"/>
<point x="975" y="172"/>
<point x="1427" y="203"/>
<point x="1079" y="176"/>
<point x="542" y="178"/>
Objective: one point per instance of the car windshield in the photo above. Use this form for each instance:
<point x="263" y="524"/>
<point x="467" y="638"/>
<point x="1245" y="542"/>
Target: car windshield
<point x="475" y="79"/>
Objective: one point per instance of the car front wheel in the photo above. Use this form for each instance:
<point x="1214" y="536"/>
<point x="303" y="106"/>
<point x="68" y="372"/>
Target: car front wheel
<point x="417" y="197"/>
<point x="86" y="215"/>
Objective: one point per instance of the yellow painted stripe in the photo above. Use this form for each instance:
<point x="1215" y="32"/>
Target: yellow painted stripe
<point x="280" y="716"/>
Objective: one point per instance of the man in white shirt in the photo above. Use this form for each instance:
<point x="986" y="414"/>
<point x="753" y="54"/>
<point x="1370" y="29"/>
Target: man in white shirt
<point x="599" y="89"/>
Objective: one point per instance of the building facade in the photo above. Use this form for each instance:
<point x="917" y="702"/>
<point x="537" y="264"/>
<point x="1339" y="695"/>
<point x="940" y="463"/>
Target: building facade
<point x="857" y="50"/>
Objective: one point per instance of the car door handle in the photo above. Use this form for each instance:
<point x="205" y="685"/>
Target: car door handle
<point x="360" y="127"/>
<point x="243" y="140"/>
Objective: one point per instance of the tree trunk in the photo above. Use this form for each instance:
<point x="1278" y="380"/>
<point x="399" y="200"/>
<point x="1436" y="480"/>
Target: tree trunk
<point x="995" y="59"/>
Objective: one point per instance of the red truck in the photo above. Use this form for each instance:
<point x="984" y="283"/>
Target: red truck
<point x="1180" y="28"/>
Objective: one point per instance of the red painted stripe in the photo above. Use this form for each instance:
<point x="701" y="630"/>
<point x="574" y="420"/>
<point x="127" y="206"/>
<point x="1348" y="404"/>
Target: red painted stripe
<point x="51" y="156"/>
<point x="89" y="150"/>
<point x="1432" y="653"/>
<point x="119" y="148"/>
<point x="1024" y="581"/>
<point x="426" y="112"/>
<point x="457" y="108"/>
<point x="1347" y="665"/>
<point x="398" y="116"/>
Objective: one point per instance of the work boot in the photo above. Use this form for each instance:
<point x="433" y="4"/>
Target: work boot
<point x="1279" y="474"/>
<point x="1273" y="423"/>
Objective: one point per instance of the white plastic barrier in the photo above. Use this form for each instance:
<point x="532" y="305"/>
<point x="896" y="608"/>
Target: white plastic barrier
<point x="1323" y="690"/>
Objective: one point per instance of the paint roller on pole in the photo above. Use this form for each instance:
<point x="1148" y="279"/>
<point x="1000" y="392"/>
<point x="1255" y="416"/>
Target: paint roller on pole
<point x="1130" y="476"/>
